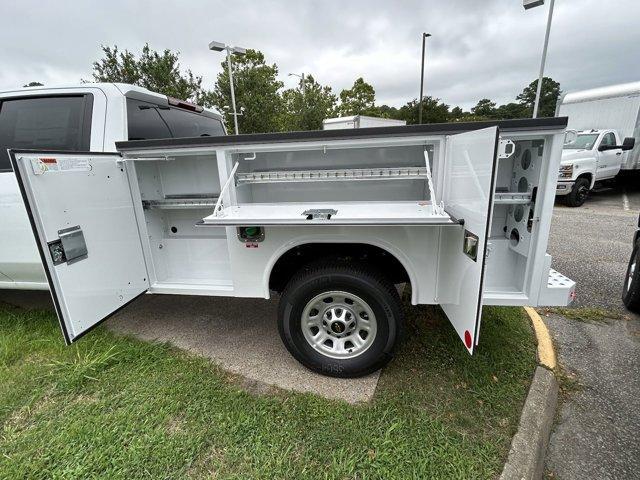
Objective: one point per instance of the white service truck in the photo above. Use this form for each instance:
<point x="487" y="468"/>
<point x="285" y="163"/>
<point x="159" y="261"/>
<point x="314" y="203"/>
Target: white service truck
<point x="86" y="117"/>
<point x="332" y="220"/>
<point x="603" y="139"/>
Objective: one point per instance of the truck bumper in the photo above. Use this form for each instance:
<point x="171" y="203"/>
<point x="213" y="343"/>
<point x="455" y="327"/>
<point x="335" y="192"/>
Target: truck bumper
<point x="563" y="188"/>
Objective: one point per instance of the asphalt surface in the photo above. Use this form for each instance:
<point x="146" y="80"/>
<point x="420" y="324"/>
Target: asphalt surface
<point x="592" y="245"/>
<point x="598" y="424"/>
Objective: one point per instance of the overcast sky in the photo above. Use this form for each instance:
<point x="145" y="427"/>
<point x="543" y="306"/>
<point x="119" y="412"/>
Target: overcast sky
<point x="479" y="48"/>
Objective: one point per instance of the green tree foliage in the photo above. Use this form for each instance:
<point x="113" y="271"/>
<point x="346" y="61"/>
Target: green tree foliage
<point x="34" y="84"/>
<point x="305" y="107"/>
<point x="157" y="71"/>
<point x="433" y="111"/>
<point x="512" y="110"/>
<point x="358" y="100"/>
<point x="257" y="94"/>
<point x="548" y="97"/>
<point x="485" y="108"/>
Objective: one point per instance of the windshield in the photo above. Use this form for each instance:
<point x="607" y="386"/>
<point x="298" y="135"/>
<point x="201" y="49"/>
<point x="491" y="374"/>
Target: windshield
<point x="583" y="141"/>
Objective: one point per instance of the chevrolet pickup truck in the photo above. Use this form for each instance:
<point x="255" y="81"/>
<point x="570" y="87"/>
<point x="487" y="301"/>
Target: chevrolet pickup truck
<point x="85" y="117"/>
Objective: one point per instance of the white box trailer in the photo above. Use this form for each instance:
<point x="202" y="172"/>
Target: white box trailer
<point x="360" y="121"/>
<point x="330" y="219"/>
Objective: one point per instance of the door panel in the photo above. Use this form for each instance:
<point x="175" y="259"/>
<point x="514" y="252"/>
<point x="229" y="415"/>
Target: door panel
<point x="82" y="216"/>
<point x="468" y="190"/>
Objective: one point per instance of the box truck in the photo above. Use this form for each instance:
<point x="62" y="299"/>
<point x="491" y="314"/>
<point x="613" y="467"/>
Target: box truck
<point x="605" y="126"/>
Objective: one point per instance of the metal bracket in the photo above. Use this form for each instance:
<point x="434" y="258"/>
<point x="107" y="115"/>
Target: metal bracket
<point x="506" y="148"/>
<point x="319" y="213"/>
<point x="217" y="210"/>
<point x="69" y="248"/>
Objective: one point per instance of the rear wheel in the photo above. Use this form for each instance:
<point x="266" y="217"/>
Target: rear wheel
<point x="631" y="288"/>
<point x="579" y="192"/>
<point x="340" y="320"/>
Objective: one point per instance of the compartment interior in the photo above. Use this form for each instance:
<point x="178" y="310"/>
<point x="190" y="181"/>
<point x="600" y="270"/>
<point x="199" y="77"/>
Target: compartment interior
<point x="175" y="194"/>
<point x="512" y="222"/>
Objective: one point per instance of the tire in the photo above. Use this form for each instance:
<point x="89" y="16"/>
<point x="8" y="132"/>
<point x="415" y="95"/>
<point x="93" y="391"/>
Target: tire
<point x="579" y="193"/>
<point x="631" y="288"/>
<point x="354" y="319"/>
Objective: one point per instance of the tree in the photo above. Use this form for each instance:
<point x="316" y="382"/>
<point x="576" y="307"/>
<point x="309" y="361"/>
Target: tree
<point x="358" y="100"/>
<point x="256" y="90"/>
<point x="433" y="111"/>
<point x="34" y="84"/>
<point x="485" y="108"/>
<point x="511" y="110"/>
<point x="306" y="108"/>
<point x="548" y="97"/>
<point x="159" y="72"/>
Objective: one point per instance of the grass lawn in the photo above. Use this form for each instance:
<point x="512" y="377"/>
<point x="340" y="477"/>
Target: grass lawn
<point x="114" y="407"/>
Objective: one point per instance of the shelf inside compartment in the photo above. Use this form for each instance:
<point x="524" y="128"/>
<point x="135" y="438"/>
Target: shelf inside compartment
<point x="345" y="213"/>
<point x="169" y="203"/>
<point x="512" y="198"/>
<point x="335" y="175"/>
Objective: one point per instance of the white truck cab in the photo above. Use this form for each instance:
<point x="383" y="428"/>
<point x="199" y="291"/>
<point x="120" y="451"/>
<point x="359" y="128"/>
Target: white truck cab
<point x="76" y="118"/>
<point x="591" y="156"/>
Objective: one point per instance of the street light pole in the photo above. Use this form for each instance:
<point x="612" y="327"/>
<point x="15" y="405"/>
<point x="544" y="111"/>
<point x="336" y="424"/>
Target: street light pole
<point x="301" y="77"/>
<point x="220" y="47"/>
<point x="233" y="93"/>
<point x="424" y="39"/>
<point x="536" y="105"/>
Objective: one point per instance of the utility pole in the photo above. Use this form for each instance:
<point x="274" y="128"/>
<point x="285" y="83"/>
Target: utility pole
<point x="424" y="40"/>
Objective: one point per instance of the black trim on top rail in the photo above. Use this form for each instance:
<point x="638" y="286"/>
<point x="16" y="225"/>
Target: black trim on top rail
<point x="346" y="134"/>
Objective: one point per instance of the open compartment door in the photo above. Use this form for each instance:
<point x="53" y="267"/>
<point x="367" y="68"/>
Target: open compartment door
<point x="81" y="212"/>
<point x="469" y="178"/>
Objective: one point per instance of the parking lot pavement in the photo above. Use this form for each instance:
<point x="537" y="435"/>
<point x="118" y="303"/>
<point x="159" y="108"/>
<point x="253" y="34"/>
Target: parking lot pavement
<point x="592" y="245"/>
<point x="596" y="435"/>
<point x="239" y="334"/>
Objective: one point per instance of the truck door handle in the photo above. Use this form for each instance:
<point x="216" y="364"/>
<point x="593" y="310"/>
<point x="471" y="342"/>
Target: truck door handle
<point x="619" y="153"/>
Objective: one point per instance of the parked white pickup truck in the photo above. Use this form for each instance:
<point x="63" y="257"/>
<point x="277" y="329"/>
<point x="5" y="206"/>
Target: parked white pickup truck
<point x="86" y="117"/>
<point x="604" y="125"/>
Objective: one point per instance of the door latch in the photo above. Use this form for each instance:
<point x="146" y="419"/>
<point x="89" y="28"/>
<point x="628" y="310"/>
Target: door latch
<point x="319" y="213"/>
<point x="70" y="246"/>
<point x="470" y="245"/>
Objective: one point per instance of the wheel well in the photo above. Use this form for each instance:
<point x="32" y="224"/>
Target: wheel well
<point x="588" y="176"/>
<point x="298" y="257"/>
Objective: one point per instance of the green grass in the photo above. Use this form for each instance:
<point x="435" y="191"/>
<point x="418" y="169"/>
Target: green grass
<point x="114" y="407"/>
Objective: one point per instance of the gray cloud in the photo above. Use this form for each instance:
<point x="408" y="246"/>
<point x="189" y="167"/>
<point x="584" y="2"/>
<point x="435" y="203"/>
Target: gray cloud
<point x="479" y="48"/>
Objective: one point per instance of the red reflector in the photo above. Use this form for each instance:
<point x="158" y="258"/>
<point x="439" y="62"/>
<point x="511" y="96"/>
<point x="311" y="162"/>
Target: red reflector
<point x="48" y="160"/>
<point x="467" y="339"/>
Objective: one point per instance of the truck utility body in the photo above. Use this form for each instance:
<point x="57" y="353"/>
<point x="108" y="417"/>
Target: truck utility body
<point x="605" y="123"/>
<point x="461" y="211"/>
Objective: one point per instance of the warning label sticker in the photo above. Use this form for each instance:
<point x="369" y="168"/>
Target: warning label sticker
<point x="49" y="164"/>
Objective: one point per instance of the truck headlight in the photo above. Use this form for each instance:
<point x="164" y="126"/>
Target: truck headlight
<point x="566" y="171"/>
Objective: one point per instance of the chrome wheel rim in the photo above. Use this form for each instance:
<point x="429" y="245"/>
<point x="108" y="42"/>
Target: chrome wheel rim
<point x="632" y="270"/>
<point x="339" y="324"/>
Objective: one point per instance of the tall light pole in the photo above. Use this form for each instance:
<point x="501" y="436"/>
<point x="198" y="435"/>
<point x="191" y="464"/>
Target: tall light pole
<point x="301" y="77"/>
<point x="220" y="47"/>
<point x="531" y="4"/>
<point x="424" y="40"/>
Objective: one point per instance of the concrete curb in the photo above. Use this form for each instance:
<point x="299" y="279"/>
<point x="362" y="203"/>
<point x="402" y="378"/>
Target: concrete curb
<point x="529" y="445"/>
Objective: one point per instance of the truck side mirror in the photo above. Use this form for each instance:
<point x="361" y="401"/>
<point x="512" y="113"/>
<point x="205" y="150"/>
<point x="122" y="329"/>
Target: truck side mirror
<point x="628" y="143"/>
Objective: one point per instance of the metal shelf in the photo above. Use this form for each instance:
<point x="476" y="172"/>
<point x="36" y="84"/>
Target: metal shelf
<point x="512" y="198"/>
<point x="381" y="173"/>
<point x="180" y="203"/>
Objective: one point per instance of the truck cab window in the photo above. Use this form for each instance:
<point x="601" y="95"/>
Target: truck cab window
<point x="149" y="121"/>
<point x="56" y="123"/>
<point x="608" y="139"/>
<point x="144" y="122"/>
